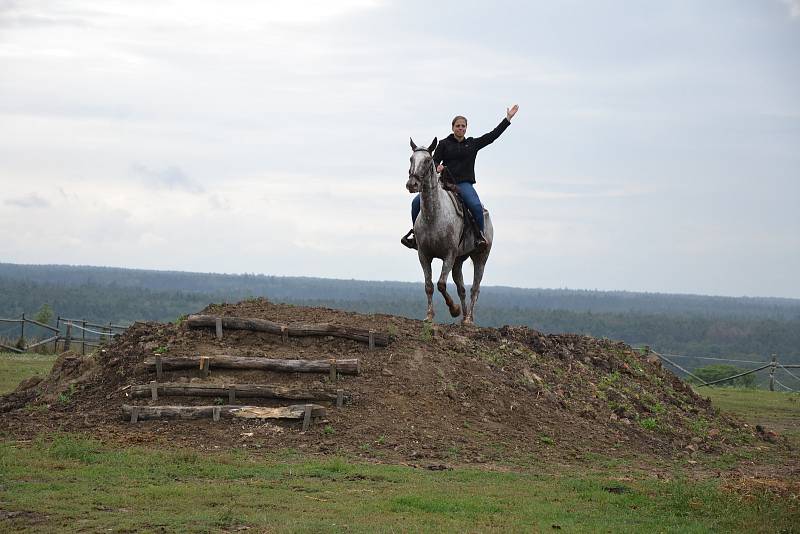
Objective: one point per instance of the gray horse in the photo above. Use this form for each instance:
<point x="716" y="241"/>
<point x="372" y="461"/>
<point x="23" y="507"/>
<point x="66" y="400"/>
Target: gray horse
<point x="441" y="232"/>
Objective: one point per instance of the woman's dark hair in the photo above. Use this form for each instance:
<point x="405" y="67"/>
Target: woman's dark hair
<point x="456" y="118"/>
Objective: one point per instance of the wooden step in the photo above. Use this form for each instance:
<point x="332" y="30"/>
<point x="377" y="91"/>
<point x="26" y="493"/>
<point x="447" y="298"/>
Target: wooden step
<point x="233" y="391"/>
<point x="378" y="339"/>
<point x="294" y="411"/>
<point x="222" y="361"/>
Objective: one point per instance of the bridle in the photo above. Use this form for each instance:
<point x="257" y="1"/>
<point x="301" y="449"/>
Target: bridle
<point x="415" y="175"/>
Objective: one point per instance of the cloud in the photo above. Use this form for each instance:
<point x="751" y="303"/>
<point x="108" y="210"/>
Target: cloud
<point x="171" y="177"/>
<point x="794" y="7"/>
<point x="31" y="200"/>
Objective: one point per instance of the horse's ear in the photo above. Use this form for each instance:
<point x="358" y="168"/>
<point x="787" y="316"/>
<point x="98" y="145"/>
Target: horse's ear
<point x="433" y="145"/>
<point x="413" y="146"/>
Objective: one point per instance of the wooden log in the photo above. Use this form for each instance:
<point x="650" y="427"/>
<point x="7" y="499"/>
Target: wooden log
<point x="12" y="349"/>
<point x="295" y="411"/>
<point x="264" y="391"/>
<point x="293" y="329"/>
<point x="222" y="361"/>
<point x="37" y="323"/>
<point x="42" y="342"/>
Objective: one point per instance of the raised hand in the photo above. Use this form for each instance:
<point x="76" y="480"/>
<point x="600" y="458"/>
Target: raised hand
<point x="510" y="112"/>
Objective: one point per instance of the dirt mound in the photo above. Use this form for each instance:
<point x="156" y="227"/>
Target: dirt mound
<point x="449" y="394"/>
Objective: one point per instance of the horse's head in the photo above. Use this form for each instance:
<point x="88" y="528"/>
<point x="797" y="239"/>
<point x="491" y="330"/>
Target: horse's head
<point x="421" y="163"/>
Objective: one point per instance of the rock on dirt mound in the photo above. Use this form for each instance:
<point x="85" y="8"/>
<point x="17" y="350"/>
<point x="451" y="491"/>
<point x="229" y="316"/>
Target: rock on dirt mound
<point x="444" y="393"/>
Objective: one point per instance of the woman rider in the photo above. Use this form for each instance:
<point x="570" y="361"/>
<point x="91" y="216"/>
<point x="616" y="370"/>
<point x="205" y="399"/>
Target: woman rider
<point x="457" y="153"/>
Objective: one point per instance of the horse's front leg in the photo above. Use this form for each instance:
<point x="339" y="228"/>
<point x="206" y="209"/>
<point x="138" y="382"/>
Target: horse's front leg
<point x="426" y="269"/>
<point x="447" y="266"/>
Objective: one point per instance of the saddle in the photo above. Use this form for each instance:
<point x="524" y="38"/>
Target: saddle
<point x="449" y="185"/>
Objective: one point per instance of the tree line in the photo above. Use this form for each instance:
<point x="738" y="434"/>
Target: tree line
<point x="692" y="325"/>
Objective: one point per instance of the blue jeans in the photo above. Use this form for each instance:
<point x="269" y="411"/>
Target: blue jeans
<point x="470" y="196"/>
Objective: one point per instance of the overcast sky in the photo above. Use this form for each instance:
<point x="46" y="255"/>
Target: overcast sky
<point x="657" y="146"/>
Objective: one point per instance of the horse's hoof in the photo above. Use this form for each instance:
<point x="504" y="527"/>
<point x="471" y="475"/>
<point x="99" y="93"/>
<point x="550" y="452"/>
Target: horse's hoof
<point x="455" y="311"/>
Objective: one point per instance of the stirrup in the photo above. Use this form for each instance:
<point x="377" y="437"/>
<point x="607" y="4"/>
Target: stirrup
<point x="409" y="240"/>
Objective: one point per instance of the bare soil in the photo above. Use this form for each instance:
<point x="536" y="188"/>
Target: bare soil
<point x="432" y="397"/>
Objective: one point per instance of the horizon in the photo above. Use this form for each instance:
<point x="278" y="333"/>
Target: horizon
<point x="655" y="148"/>
<point x="450" y="282"/>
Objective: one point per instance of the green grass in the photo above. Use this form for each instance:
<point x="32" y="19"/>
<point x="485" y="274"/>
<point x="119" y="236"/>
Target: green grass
<point x="16" y="367"/>
<point x="776" y="410"/>
<point x="71" y="483"/>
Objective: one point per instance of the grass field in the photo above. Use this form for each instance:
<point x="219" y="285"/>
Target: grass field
<point x="67" y="482"/>
<point x="70" y="483"/>
<point x="16" y="367"/>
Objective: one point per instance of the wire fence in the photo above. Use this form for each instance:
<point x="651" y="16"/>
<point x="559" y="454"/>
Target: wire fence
<point x="770" y="367"/>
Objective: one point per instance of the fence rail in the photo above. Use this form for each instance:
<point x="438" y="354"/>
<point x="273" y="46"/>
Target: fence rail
<point x="98" y="333"/>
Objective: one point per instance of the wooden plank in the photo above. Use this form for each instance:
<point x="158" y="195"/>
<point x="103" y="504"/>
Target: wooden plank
<point x="12" y="349"/>
<point x="264" y="391"/>
<point x="293" y="329"/>
<point x="306" y="417"/>
<point x="219" y="327"/>
<point x="223" y="361"/>
<point x="159" y="368"/>
<point x="295" y="411"/>
<point x="339" y="398"/>
<point x="154" y="390"/>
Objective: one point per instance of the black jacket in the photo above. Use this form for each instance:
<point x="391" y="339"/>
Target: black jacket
<point x="459" y="157"/>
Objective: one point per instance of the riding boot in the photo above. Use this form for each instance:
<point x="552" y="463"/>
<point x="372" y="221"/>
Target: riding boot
<point x="409" y="240"/>
<point x="481" y="243"/>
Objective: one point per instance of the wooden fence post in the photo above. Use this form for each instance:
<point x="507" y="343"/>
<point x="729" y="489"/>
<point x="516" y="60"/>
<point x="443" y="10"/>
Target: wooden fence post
<point x="772" y="373"/>
<point x="22" y="334"/>
<point x="307" y="416"/>
<point x="68" y="337"/>
<point x="219" y="327"/>
<point x="58" y="333"/>
<point x="83" y="338"/>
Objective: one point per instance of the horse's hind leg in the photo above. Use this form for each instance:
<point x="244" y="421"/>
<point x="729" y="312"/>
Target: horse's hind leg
<point x="475" y="290"/>
<point x="458" y="278"/>
<point x="447" y="266"/>
<point x="428" y="272"/>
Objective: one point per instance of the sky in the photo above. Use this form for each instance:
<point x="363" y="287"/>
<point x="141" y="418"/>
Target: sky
<point x="657" y="145"/>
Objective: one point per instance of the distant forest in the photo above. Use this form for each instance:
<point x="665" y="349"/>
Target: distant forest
<point x="688" y="325"/>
